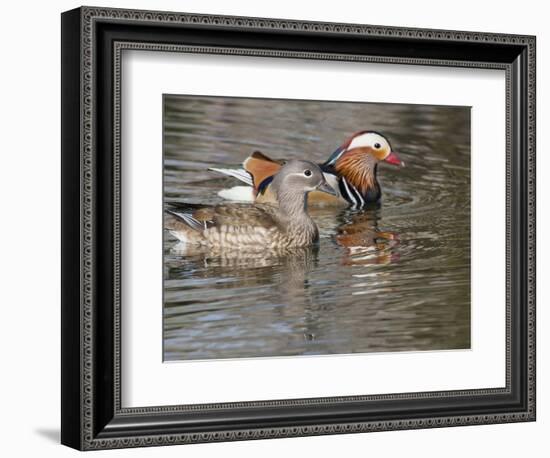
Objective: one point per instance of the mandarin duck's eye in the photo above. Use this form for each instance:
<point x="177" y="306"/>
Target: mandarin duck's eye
<point x="377" y="145"/>
<point x="307" y="173"/>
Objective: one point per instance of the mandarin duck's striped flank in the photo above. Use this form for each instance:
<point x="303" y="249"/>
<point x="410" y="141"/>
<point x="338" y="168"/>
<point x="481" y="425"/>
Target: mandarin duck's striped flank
<point x="351" y="170"/>
<point x="256" y="227"/>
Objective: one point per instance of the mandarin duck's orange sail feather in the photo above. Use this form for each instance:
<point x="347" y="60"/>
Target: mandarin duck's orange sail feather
<point x="261" y="167"/>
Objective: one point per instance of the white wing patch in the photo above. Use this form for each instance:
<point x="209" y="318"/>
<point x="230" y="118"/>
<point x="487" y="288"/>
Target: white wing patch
<point x="238" y="193"/>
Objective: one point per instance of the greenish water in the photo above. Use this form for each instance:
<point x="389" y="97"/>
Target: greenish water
<point x="395" y="278"/>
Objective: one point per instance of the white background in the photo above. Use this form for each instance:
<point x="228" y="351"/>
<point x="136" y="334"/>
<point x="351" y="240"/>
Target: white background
<point x="29" y="246"/>
<point x="148" y="75"/>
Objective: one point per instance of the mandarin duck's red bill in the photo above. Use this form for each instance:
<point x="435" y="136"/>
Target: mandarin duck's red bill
<point x="351" y="170"/>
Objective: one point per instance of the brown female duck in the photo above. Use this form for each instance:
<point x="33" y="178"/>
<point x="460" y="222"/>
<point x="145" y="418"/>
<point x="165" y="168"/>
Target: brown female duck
<point x="351" y="170"/>
<point x="257" y="227"/>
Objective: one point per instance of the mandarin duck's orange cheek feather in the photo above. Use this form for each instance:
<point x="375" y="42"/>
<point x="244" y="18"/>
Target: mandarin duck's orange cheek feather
<point x="341" y="149"/>
<point x="358" y="169"/>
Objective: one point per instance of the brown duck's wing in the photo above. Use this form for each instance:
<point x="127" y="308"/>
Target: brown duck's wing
<point x="173" y="223"/>
<point x="205" y="214"/>
<point x="232" y="214"/>
<point x="200" y="212"/>
<point x="244" y="215"/>
<point x="261" y="167"/>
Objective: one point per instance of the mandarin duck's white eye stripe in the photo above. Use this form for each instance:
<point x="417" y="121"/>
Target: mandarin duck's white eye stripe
<point x="367" y="139"/>
<point x="298" y="174"/>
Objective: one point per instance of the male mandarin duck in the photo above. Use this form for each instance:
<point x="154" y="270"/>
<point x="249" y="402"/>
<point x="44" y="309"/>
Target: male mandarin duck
<point x="260" y="226"/>
<point x="351" y="170"/>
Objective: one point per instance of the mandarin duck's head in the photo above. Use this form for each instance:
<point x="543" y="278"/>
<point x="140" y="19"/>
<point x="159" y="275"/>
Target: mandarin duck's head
<point x="357" y="158"/>
<point x="368" y="144"/>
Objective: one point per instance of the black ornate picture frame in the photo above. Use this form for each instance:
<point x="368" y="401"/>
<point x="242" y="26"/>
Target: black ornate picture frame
<point x="92" y="42"/>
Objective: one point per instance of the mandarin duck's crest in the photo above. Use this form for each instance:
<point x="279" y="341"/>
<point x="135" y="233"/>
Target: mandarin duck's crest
<point x="371" y="142"/>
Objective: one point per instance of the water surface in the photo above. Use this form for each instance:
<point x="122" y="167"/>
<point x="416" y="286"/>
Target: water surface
<point x="393" y="278"/>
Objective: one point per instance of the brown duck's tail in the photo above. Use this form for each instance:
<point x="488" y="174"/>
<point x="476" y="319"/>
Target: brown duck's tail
<point x="186" y="218"/>
<point x="182" y="222"/>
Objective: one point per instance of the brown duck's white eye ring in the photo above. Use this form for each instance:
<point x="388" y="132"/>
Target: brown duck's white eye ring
<point x="307" y="173"/>
<point x="377" y="145"/>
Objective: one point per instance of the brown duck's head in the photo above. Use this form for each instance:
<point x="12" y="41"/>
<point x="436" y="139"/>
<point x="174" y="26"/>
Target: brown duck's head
<point x="358" y="157"/>
<point x="300" y="177"/>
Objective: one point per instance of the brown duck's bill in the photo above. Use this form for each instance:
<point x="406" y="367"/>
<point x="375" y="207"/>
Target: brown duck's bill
<point x="325" y="187"/>
<point x="394" y="159"/>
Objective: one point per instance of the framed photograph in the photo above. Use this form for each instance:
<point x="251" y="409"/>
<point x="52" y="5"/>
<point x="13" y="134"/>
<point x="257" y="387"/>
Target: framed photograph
<point x="277" y="228"/>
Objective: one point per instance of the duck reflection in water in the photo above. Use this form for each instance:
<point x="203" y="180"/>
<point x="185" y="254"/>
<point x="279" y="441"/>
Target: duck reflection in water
<point x="288" y="267"/>
<point x="287" y="271"/>
<point x="364" y="243"/>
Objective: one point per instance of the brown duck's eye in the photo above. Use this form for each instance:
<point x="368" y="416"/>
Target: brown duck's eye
<point x="307" y="173"/>
<point x="377" y="145"/>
